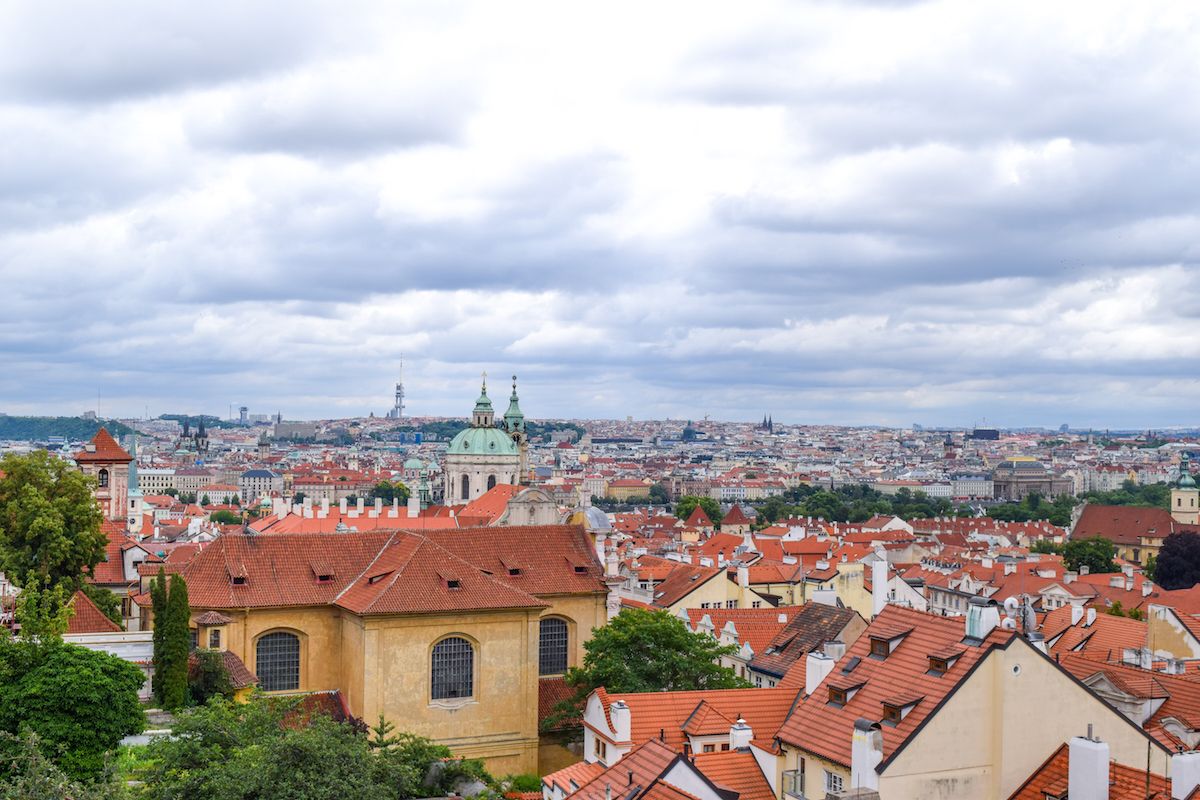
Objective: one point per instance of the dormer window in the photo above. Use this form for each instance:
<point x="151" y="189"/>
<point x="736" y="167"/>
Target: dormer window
<point x="453" y="583"/>
<point x="581" y="569"/>
<point x="841" y="695"/>
<point x="514" y="571"/>
<point x="938" y="666"/>
<point x="895" y="709"/>
<point x="880" y="648"/>
<point x="238" y="580"/>
<point x="377" y="578"/>
<point x="324" y="579"/>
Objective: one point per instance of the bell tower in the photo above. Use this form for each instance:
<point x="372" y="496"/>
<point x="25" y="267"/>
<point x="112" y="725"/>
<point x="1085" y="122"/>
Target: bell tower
<point x="1185" y="497"/>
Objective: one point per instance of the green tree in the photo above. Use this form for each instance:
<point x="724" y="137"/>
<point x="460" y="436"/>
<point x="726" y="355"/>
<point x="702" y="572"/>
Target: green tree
<point x="106" y="600"/>
<point x="1178" y="562"/>
<point x="177" y="642"/>
<point x="207" y="676"/>
<point x="389" y="492"/>
<point x="267" y="749"/>
<point x="43" y="614"/>
<point x="204" y="501"/>
<point x="158" y="608"/>
<point x="49" y="521"/>
<point x="687" y="504"/>
<point x="646" y="651"/>
<point x="26" y="773"/>
<point x="1096" y="554"/>
<point x="79" y="702"/>
<point x="298" y="497"/>
<point x="1046" y="546"/>
<point x="658" y="495"/>
<point x="224" y="517"/>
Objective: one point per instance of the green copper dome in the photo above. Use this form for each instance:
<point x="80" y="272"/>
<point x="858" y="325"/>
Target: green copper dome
<point x="514" y="420"/>
<point x="483" y="442"/>
<point x="1186" y="481"/>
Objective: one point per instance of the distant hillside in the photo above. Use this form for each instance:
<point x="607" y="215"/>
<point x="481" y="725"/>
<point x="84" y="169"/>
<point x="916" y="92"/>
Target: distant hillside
<point x="39" y="429"/>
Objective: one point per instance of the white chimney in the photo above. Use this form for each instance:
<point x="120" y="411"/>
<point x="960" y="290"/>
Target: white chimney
<point x="325" y="506"/>
<point x="1091" y="617"/>
<point x="1127" y="569"/>
<point x="1076" y="614"/>
<point x="361" y="505"/>
<point x="982" y="617"/>
<point x="878" y="584"/>
<point x="743" y="576"/>
<point x="1069" y="578"/>
<point x="816" y="667"/>
<point x="986" y="562"/>
<point x="866" y="751"/>
<point x="342" y="506"/>
<point x="740" y="735"/>
<point x="600" y="540"/>
<point x="622" y="720"/>
<point x="611" y="564"/>
<point x="1087" y="768"/>
<point x="1147" y="588"/>
<point x="414" y="506"/>
<point x="1185" y="774"/>
<point x="782" y="618"/>
<point x="835" y="649"/>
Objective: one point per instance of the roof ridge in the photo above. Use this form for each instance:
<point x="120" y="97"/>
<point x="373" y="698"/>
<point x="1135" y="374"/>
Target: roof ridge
<point x="337" y="597"/>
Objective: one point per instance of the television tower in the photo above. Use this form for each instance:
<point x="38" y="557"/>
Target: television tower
<point x="398" y="409"/>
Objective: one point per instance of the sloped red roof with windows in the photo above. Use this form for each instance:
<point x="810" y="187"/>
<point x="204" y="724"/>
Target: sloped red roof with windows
<point x="1124" y="783"/>
<point x="826" y="730"/>
<point x="488" y="507"/>
<point x="1106" y="636"/>
<point x="87" y="618"/>
<point x="736" y="516"/>
<point x="810" y="627"/>
<point x="550" y="559"/>
<point x="367" y="573"/>
<point x="668" y="712"/>
<point x="755" y="626"/>
<point x="682" y="581"/>
<point x="105" y="449"/>
<point x="1122" y="524"/>
<point x="111" y="570"/>
<point x="698" y="519"/>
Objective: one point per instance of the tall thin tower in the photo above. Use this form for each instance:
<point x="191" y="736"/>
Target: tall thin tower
<point x="398" y="409"/>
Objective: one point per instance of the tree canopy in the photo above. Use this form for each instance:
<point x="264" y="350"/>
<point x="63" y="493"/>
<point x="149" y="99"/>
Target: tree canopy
<point x="647" y="651"/>
<point x="1178" y="562"/>
<point x="49" y="521"/>
<point x="1095" y="553"/>
<point x="79" y="702"/>
<point x="1035" y="507"/>
<point x="687" y="504"/>
<point x="855" y="503"/>
<point x="268" y="748"/>
<point x="388" y="491"/>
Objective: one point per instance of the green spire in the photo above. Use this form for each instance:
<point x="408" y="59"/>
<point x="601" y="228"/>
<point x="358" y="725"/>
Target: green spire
<point x="1186" y="481"/>
<point x="483" y="416"/>
<point x="514" y="420"/>
<point x="134" y="489"/>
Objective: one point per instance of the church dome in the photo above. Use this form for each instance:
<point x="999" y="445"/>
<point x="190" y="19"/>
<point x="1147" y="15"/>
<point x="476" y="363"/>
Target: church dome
<point x="482" y="442"/>
<point x="414" y="463"/>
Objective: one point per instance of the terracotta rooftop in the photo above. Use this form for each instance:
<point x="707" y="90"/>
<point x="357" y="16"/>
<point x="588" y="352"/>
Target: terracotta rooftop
<point x="103" y="448"/>
<point x="669" y="712"/>
<point x="87" y="618"/>
<point x="737" y="770"/>
<point x="1124" y="783"/>
<point x="810" y="627"/>
<point x="755" y="626"/>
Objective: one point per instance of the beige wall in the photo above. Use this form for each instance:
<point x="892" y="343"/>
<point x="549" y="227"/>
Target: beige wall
<point x="1008" y="718"/>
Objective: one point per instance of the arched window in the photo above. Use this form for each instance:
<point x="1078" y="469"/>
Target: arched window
<point x="491" y="482"/>
<point x="103" y="478"/>
<point x="552" y="647"/>
<point x="452" y="669"/>
<point x="466" y="488"/>
<point x="277" y="662"/>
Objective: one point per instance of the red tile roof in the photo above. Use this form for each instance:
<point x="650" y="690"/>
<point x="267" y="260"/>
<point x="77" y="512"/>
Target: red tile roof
<point x="698" y="519"/>
<point x="810" y="627"/>
<point x="737" y="770"/>
<point x="87" y="618"/>
<point x="105" y="449"/>
<point x="669" y="712"/>
<point x="640" y="767"/>
<point x="826" y="729"/>
<point x="548" y="558"/>
<point x="1106" y="636"/>
<point x="1124" y="783"/>
<point x="755" y="626"/>
<point x="736" y="516"/>
<point x="488" y="507"/>
<point x="1122" y="524"/>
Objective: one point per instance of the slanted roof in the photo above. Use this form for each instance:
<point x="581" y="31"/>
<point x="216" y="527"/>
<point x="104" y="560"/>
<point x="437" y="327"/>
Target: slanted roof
<point x="87" y="618"/>
<point x="1122" y="524"/>
<point x="549" y="557"/>
<point x="827" y="730"/>
<point x="698" y="519"/>
<point x="1124" y="783"/>
<point x="640" y="767"/>
<point x="104" y="449"/>
<point x="668" y="713"/>
<point x="737" y="770"/>
<point x="735" y="516"/>
<point x="809" y="629"/>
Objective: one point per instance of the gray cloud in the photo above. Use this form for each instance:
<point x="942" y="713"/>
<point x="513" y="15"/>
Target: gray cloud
<point x="867" y="212"/>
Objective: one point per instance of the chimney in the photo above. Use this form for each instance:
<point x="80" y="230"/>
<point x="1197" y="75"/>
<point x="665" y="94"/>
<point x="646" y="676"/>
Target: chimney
<point x="866" y="751"/>
<point x="986" y="562"/>
<point x="1084" y="569"/>
<point x="325" y="506"/>
<point x="782" y="618"/>
<point x="1069" y="578"/>
<point x="1087" y="768"/>
<point x="835" y="649"/>
<point x="414" y="506"/>
<point x="1091" y="617"/>
<point x="982" y="617"/>
<point x="816" y="667"/>
<point x="1147" y="588"/>
<point x="740" y="735"/>
<point x="611" y="564"/>
<point x="743" y="576"/>
<point x="622" y="720"/>
<point x="1010" y="567"/>
<point x="1185" y="774"/>
<point x="1116" y="581"/>
<point x="342" y="506"/>
<point x="878" y="584"/>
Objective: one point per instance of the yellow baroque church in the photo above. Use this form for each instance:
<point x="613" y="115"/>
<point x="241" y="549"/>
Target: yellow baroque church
<point x="445" y="633"/>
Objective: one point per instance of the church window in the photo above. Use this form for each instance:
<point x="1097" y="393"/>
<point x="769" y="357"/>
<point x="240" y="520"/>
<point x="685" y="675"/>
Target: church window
<point x="453" y="669"/>
<point x="466" y="487"/>
<point x="552" y="647"/>
<point x="277" y="662"/>
<point x="103" y="478"/>
<point x="491" y="484"/>
<point x="214" y="639"/>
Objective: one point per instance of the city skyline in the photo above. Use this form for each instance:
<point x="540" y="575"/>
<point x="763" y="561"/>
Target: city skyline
<point x="837" y="213"/>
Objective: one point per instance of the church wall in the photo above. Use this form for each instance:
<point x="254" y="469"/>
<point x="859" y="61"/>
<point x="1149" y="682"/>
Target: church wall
<point x="499" y="723"/>
<point x="584" y="612"/>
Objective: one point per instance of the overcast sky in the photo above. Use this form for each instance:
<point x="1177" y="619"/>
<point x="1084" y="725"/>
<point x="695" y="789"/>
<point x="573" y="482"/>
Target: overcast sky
<point x="843" y="212"/>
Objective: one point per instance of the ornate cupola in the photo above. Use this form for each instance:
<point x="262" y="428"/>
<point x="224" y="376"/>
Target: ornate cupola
<point x="483" y="416"/>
